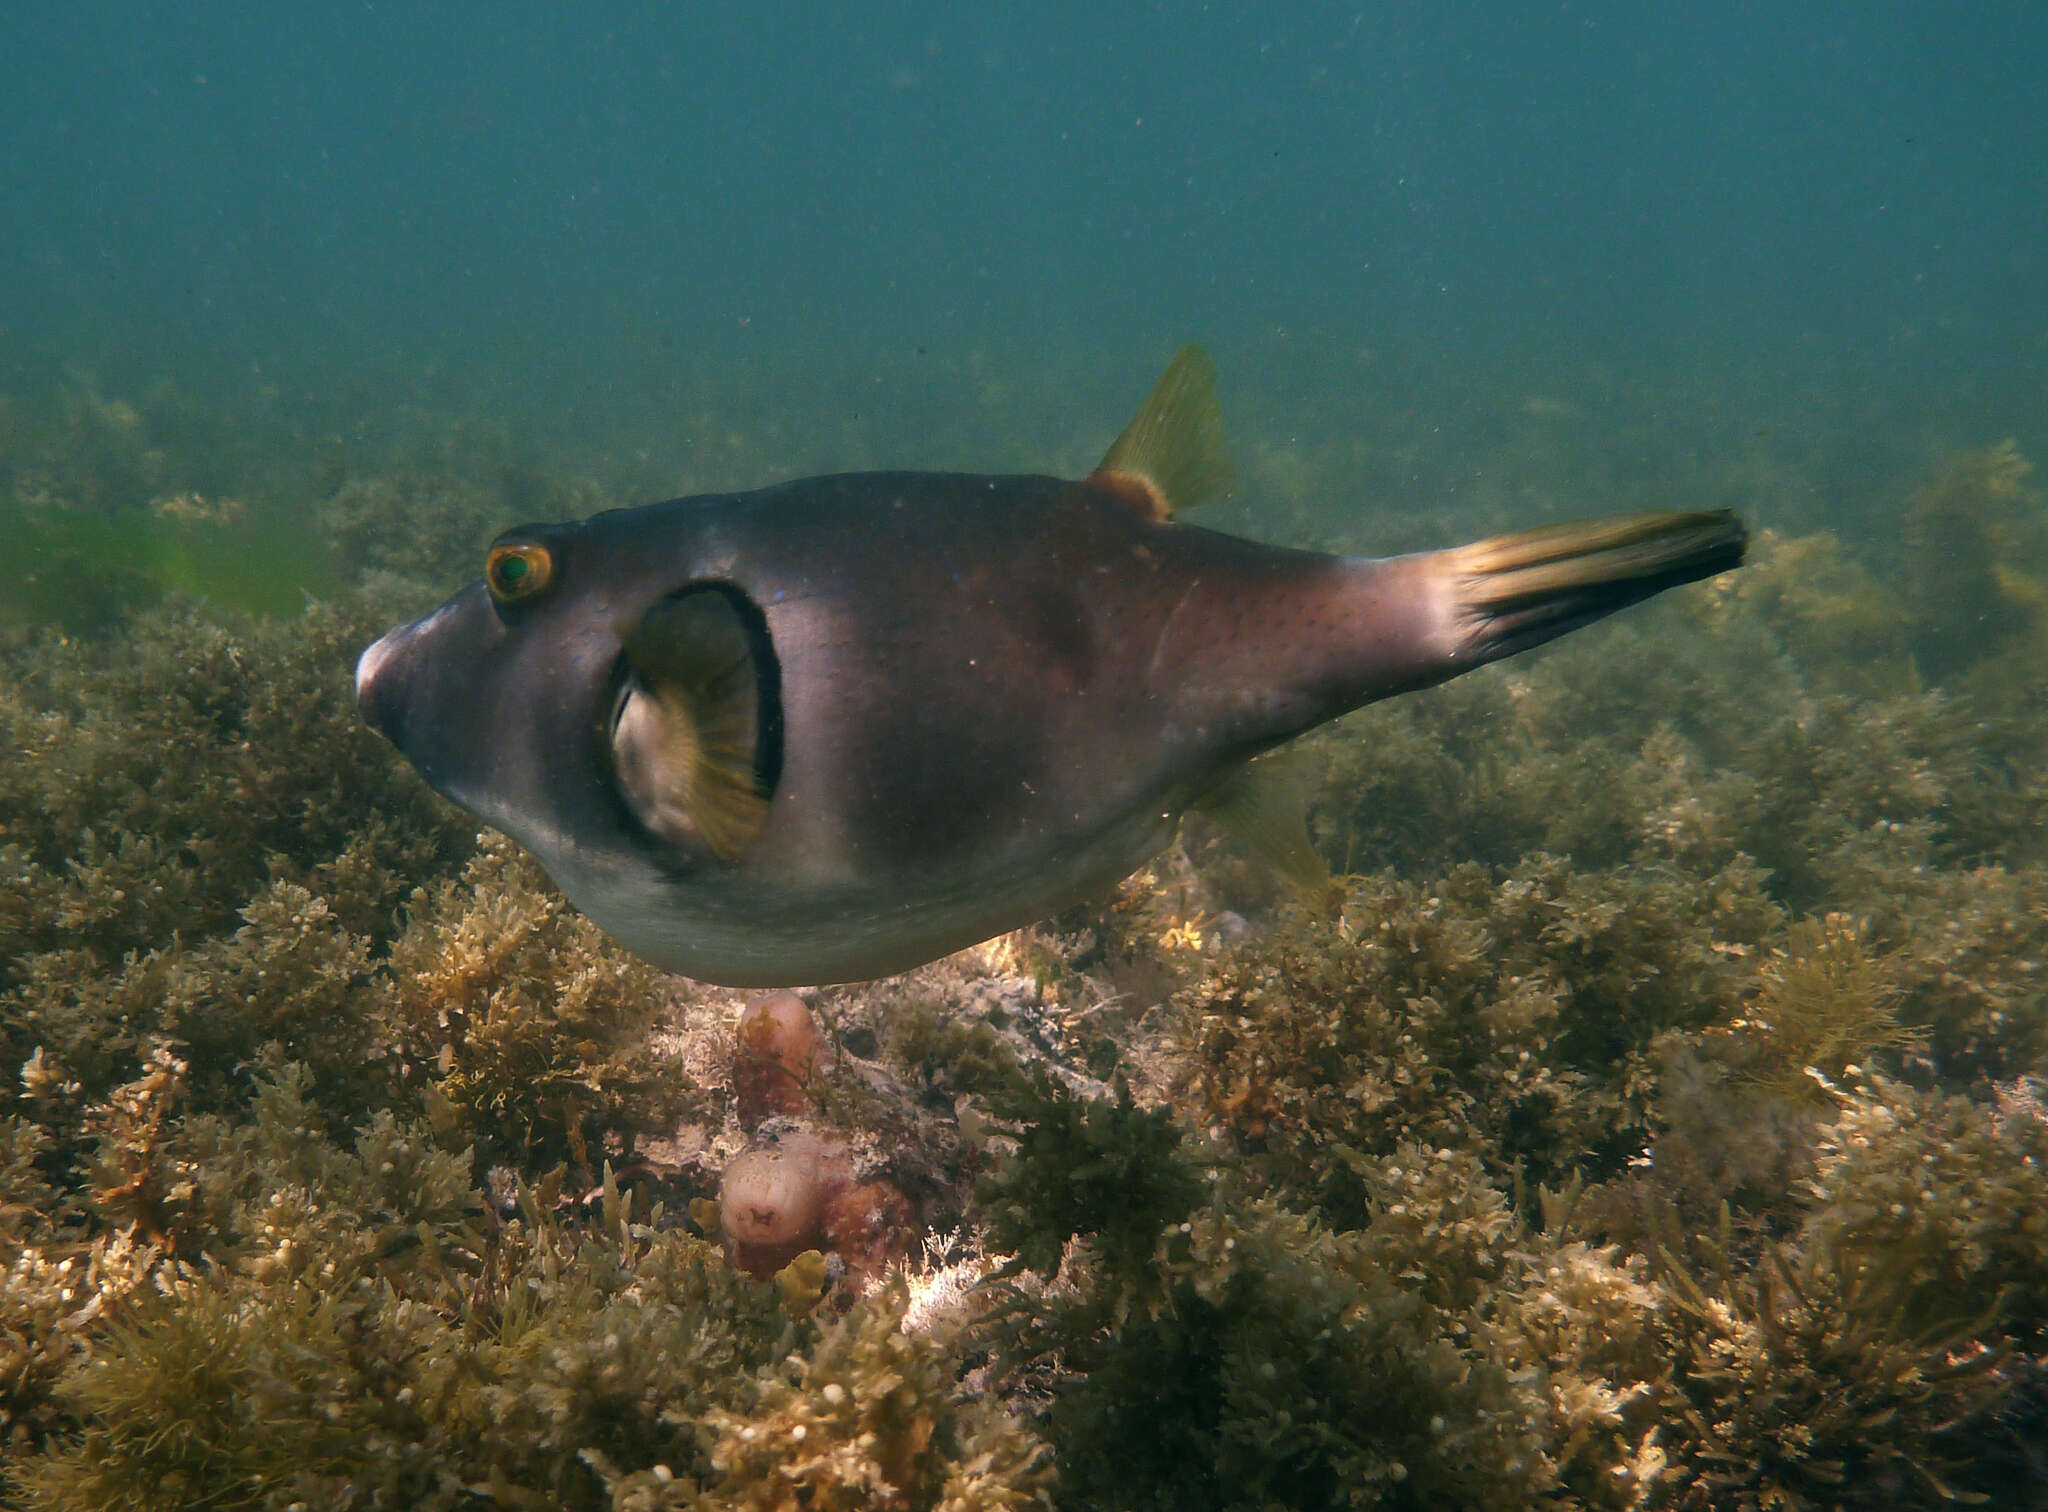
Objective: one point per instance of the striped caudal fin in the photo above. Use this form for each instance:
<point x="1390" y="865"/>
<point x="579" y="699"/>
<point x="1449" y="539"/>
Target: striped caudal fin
<point x="1517" y="591"/>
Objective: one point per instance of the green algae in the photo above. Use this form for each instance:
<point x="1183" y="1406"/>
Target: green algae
<point x="110" y="506"/>
<point x="1657" y="1124"/>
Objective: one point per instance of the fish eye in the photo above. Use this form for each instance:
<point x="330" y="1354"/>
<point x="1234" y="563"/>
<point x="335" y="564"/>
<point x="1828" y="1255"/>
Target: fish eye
<point x="517" y="571"/>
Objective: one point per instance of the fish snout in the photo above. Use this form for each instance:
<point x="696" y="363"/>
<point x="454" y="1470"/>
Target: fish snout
<point x="379" y="688"/>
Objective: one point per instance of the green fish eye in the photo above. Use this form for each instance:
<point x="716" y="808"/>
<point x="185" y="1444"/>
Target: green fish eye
<point x="518" y="571"/>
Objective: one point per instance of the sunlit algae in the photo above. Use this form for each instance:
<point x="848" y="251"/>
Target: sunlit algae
<point x="1661" y="1128"/>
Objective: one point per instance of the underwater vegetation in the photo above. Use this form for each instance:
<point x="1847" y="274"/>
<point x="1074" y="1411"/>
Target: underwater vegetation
<point x="1656" y="1115"/>
<point x="109" y="504"/>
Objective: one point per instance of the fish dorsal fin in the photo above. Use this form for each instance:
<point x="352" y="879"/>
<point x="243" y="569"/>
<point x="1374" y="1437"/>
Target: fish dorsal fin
<point x="695" y="734"/>
<point x="1264" y="804"/>
<point x="1171" y="456"/>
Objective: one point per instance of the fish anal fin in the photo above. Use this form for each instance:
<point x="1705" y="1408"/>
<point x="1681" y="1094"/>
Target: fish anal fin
<point x="687" y="741"/>
<point x="1264" y="804"/>
<point x="1171" y="456"/>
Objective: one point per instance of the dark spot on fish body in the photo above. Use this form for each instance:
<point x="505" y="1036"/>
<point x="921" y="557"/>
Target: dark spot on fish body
<point x="936" y="803"/>
<point x="1061" y="636"/>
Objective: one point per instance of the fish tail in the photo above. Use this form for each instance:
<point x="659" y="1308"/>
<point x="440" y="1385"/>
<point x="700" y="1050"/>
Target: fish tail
<point x="1516" y="591"/>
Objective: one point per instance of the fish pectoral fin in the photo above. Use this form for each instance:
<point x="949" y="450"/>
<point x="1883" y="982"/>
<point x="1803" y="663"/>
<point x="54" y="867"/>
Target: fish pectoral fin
<point x="1171" y="456"/>
<point x="688" y="735"/>
<point x="1264" y="804"/>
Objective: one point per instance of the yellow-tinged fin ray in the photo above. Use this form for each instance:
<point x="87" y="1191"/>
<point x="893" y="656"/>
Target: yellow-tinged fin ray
<point x="686" y="743"/>
<point x="1264" y="804"/>
<point x="1171" y="456"/>
<point x="1517" y="591"/>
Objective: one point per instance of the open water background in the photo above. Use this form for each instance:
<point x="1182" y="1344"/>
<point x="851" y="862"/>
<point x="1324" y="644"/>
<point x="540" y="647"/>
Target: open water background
<point x="968" y="236"/>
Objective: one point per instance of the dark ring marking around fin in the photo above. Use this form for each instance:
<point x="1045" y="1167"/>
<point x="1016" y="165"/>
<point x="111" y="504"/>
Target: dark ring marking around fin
<point x="1171" y="456"/>
<point x="696" y="729"/>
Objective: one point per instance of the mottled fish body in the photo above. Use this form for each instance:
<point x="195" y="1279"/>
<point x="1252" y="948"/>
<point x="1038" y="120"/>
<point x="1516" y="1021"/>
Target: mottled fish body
<point x="832" y="729"/>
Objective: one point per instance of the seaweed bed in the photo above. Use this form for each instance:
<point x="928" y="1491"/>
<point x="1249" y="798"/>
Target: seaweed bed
<point x="1656" y="1118"/>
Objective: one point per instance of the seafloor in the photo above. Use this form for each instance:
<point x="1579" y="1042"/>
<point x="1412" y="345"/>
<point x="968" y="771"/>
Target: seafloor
<point x="1656" y="1119"/>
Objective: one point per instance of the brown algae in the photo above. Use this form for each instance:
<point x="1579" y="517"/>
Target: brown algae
<point x="1655" y="1120"/>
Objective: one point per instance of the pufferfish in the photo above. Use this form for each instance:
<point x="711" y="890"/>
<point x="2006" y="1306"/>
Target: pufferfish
<point x="832" y="729"/>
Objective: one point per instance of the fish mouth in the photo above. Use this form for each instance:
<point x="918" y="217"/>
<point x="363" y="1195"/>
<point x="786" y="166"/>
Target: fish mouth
<point x="386" y="676"/>
<point x="391" y="699"/>
<point x="376" y="692"/>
